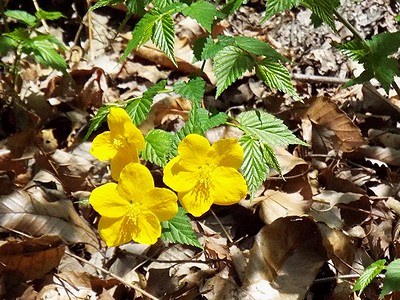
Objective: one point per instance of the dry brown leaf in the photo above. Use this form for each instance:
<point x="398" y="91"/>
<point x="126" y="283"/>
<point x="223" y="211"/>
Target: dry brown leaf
<point x="380" y="154"/>
<point x="384" y="138"/>
<point x="285" y="258"/>
<point x="31" y="259"/>
<point x="339" y="247"/>
<point x="31" y="213"/>
<point x="331" y="127"/>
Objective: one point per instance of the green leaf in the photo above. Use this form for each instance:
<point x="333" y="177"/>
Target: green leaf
<point x="137" y="6"/>
<point x="22" y="16"/>
<point x="204" y="13"/>
<point x="6" y="44"/>
<point x="48" y="15"/>
<point x="355" y="49"/>
<point x="180" y="230"/>
<point x="254" y="168"/>
<point x="276" y="6"/>
<point x="258" y="47"/>
<point x="324" y="9"/>
<point x="45" y="54"/>
<point x="369" y="274"/>
<point x="97" y="120"/>
<point x="385" y="43"/>
<point x="164" y="37"/>
<point x="19" y="35"/>
<point x="229" y="65"/>
<point x="205" y="48"/>
<point x="275" y="75"/>
<point x="364" y="77"/>
<point x="267" y="128"/>
<point x="142" y="32"/>
<point x="385" y="72"/>
<point x="192" y="90"/>
<point x="102" y="3"/>
<point x="162" y="3"/>
<point x="232" y="6"/>
<point x="138" y="108"/>
<point x="157" y="147"/>
<point x="391" y="283"/>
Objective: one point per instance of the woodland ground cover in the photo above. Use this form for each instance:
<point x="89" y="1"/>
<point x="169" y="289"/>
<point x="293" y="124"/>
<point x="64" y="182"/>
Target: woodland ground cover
<point x="228" y="150"/>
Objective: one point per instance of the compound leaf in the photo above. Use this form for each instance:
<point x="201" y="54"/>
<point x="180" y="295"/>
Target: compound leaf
<point x="163" y="35"/>
<point x="369" y="274"/>
<point x="192" y="90"/>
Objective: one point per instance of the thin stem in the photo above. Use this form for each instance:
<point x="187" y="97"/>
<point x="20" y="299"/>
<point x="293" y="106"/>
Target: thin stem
<point x="348" y="25"/>
<point x="228" y="236"/>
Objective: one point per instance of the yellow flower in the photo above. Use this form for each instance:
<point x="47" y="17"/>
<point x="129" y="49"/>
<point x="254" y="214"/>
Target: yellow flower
<point x="204" y="174"/>
<point x="121" y="144"/>
<point x="133" y="208"/>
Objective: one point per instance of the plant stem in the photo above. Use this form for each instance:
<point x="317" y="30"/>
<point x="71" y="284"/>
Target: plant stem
<point x="348" y="25"/>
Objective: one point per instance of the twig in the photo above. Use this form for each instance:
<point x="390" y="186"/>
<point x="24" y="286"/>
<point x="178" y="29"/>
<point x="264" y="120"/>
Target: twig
<point x="344" y="277"/>
<point x="348" y="25"/>
<point x="46" y="27"/>
<point x="128" y="284"/>
<point x="319" y="79"/>
<point x="228" y="236"/>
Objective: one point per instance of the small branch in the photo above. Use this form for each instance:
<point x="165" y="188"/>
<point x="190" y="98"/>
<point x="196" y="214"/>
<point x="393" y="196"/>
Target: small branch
<point x="319" y="79"/>
<point x="348" y="25"/>
<point x="45" y="26"/>
<point x="343" y="277"/>
<point x="128" y="284"/>
<point x="228" y="236"/>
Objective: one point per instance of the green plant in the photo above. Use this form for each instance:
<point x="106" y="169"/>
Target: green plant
<point x="391" y="281"/>
<point x="28" y="40"/>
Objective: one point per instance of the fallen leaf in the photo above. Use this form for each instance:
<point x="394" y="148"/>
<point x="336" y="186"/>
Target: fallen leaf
<point x="285" y="258"/>
<point x="30" y="213"/>
<point x="332" y="128"/>
<point x="31" y="259"/>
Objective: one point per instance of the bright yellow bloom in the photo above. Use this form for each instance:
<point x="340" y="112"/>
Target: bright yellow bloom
<point x="204" y="174"/>
<point x="133" y="208"/>
<point x="121" y="144"/>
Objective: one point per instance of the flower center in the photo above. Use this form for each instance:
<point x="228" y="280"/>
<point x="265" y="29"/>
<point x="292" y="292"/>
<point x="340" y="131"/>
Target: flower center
<point x="119" y="143"/>
<point x="205" y="176"/>
<point x="133" y="214"/>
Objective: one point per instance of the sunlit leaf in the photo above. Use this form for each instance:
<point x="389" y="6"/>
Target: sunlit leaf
<point x="204" y="13"/>
<point x="391" y="283"/>
<point x="369" y="274"/>
<point x="22" y="16"/>
<point x="157" y="147"/>
<point x="164" y="36"/>
<point x="97" y="120"/>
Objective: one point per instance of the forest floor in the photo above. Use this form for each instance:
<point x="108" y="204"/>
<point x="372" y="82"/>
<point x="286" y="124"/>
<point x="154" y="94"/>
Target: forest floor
<point x="338" y="202"/>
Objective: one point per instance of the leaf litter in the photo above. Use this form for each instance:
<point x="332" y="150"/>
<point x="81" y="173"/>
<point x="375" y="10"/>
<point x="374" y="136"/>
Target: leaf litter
<point x="336" y="206"/>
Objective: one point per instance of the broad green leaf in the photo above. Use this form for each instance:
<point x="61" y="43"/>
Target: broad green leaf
<point x="6" y="44"/>
<point x="205" y="48"/>
<point x="164" y="37"/>
<point x="391" y="283"/>
<point x="137" y="6"/>
<point x="267" y="128"/>
<point x="142" y="32"/>
<point x="22" y="16"/>
<point x="157" y="147"/>
<point x="254" y="168"/>
<point x="229" y="65"/>
<point x="365" y="76"/>
<point x="45" y="54"/>
<point x="275" y="75"/>
<point x="385" y="44"/>
<point x="102" y="3"/>
<point x="232" y="6"/>
<point x="192" y="90"/>
<point x="355" y="49"/>
<point x="385" y="72"/>
<point x="204" y="13"/>
<point x="215" y="121"/>
<point x="19" y="35"/>
<point x="49" y="38"/>
<point x="97" y="120"/>
<point x="276" y="6"/>
<point x="162" y="3"/>
<point x="369" y="274"/>
<point x="48" y="15"/>
<point x="324" y="9"/>
<point x="180" y="230"/>
<point x="138" y="108"/>
<point x="258" y="47"/>
<point x="271" y="158"/>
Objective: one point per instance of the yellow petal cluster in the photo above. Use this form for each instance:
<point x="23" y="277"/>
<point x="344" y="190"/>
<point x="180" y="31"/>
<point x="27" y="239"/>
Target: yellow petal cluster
<point x="204" y="175"/>
<point x="121" y="144"/>
<point x="133" y="208"/>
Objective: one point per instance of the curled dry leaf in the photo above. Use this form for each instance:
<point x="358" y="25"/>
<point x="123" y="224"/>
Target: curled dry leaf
<point x="30" y="259"/>
<point x="285" y="258"/>
<point x="386" y="155"/>
<point x="331" y="127"/>
<point x="30" y="213"/>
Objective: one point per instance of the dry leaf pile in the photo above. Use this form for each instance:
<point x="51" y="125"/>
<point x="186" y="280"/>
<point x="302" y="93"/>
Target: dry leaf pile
<point x="305" y="236"/>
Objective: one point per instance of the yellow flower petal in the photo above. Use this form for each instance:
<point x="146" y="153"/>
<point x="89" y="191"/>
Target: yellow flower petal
<point x="134" y="135"/>
<point x="227" y="153"/>
<point x="229" y="186"/>
<point x="102" y="148"/>
<point x="108" y="202"/>
<point x="123" y="157"/>
<point x="116" y="232"/>
<point x="197" y="201"/>
<point x="116" y="120"/>
<point x="135" y="180"/>
<point x="192" y="151"/>
<point x="162" y="203"/>
<point x="149" y="228"/>
<point x="178" y="177"/>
